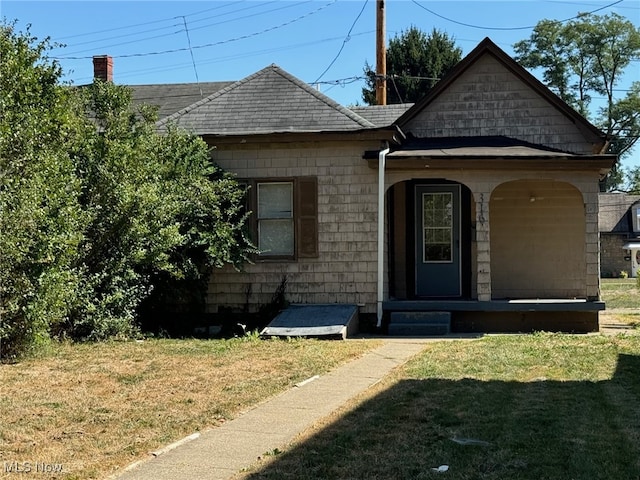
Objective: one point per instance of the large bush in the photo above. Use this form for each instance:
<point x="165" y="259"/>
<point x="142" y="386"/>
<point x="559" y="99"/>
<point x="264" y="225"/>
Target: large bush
<point x="100" y="212"/>
<point x="41" y="221"/>
<point x="160" y="212"/>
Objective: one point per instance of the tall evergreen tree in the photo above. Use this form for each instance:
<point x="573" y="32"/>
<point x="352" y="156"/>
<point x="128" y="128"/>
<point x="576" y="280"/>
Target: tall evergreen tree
<point x="415" y="62"/>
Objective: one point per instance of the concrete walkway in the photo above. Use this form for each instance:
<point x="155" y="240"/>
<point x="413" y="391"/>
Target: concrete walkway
<point x="219" y="453"/>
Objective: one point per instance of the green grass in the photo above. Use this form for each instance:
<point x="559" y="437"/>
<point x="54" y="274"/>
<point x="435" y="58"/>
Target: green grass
<point x="620" y="293"/>
<point x="537" y="407"/>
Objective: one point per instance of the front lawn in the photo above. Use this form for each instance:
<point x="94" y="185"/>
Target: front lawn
<point x="94" y="408"/>
<point x="521" y="407"/>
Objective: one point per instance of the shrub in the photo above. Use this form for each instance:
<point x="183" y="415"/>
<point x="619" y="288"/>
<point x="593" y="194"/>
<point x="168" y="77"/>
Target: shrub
<point x="99" y="211"/>
<point x="41" y="221"/>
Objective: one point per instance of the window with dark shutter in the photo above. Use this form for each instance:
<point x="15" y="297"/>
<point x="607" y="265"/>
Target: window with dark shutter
<point x="284" y="219"/>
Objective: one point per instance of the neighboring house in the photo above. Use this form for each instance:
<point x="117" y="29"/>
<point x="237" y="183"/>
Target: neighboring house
<point x="169" y="98"/>
<point x="488" y="205"/>
<point x="619" y="234"/>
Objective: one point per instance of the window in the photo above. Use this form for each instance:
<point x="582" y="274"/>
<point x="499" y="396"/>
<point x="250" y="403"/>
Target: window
<point x="275" y="218"/>
<point x="437" y="227"/>
<point x="284" y="219"/>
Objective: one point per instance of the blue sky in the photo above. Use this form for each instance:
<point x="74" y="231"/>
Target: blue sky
<point x="325" y="41"/>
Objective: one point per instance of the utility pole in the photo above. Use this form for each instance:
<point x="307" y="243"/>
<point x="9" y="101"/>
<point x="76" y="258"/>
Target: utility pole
<point x="381" y="54"/>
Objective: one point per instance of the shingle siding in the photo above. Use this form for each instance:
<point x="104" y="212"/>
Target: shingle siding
<point x="345" y="269"/>
<point x="486" y="100"/>
<point x="485" y="96"/>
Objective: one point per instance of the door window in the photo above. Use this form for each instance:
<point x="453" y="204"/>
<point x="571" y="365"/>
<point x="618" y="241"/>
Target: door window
<point x="437" y="231"/>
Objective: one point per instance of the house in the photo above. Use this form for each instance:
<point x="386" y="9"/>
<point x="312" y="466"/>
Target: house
<point x="619" y="225"/>
<point x="480" y="201"/>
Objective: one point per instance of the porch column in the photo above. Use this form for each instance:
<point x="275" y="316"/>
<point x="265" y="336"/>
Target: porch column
<point x="483" y="245"/>
<point x="592" y="246"/>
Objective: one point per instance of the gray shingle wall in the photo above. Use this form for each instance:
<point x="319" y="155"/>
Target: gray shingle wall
<point x="613" y="258"/>
<point x="487" y="100"/>
<point x="345" y="270"/>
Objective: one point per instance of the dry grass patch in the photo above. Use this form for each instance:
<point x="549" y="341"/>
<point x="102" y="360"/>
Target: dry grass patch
<point x="96" y="408"/>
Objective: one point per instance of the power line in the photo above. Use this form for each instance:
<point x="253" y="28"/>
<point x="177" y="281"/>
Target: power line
<point x="152" y="22"/>
<point x="230" y="56"/>
<point x="509" y="28"/>
<point x="181" y="29"/>
<point x="89" y="42"/>
<point x="221" y="42"/>
<point x="589" y="4"/>
<point x="344" y="42"/>
<point x="193" y="60"/>
<point x="287" y="5"/>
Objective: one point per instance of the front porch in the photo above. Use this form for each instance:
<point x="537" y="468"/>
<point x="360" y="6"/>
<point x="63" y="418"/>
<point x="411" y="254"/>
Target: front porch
<point x="518" y="315"/>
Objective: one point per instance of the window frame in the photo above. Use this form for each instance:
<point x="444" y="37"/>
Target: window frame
<point x="305" y="216"/>
<point x="260" y="218"/>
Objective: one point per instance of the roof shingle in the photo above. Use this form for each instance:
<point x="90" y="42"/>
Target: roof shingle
<point x="172" y="97"/>
<point x="269" y="101"/>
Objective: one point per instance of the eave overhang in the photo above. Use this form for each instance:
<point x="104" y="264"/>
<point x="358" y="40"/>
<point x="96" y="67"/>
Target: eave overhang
<point x="487" y="153"/>
<point x="416" y="161"/>
<point x="391" y="134"/>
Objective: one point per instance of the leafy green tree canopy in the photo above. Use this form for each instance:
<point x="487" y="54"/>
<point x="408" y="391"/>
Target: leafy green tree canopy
<point x="99" y="211"/>
<point x="415" y="62"/>
<point x="41" y="221"/>
<point x="585" y="59"/>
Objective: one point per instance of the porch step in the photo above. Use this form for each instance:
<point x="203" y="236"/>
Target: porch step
<point x="419" y="323"/>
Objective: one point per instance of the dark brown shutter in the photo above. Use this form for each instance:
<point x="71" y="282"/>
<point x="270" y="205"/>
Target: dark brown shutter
<point x="306" y="214"/>
<point x="251" y="206"/>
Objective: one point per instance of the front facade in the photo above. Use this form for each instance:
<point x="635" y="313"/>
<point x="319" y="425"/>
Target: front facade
<point x="481" y="197"/>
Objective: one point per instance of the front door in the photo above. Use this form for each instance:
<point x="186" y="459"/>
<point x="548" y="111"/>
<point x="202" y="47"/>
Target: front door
<point x="438" y="241"/>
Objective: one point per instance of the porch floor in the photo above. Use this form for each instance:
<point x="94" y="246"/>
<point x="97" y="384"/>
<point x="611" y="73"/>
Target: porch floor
<point x="511" y="305"/>
<point x="514" y="315"/>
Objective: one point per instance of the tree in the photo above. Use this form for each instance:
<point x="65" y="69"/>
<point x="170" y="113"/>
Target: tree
<point x="98" y="210"/>
<point x="415" y="62"/>
<point x="41" y="221"/>
<point x="584" y="58"/>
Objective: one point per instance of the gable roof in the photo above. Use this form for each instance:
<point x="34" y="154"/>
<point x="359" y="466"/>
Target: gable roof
<point x="614" y="212"/>
<point x="487" y="47"/>
<point x="172" y="97"/>
<point x="269" y="101"/>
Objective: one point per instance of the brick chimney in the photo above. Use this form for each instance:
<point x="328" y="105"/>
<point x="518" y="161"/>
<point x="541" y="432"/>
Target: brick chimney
<point x="103" y="68"/>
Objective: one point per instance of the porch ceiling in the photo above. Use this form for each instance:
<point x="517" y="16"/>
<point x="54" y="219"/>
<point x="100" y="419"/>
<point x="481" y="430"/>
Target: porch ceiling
<point x="418" y="160"/>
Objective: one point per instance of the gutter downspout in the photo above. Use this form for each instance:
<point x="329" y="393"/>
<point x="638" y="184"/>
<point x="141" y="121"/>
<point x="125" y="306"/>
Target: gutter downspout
<point x="382" y="159"/>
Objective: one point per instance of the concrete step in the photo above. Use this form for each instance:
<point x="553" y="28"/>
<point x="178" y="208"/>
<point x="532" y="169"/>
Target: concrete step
<point x="419" y="323"/>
